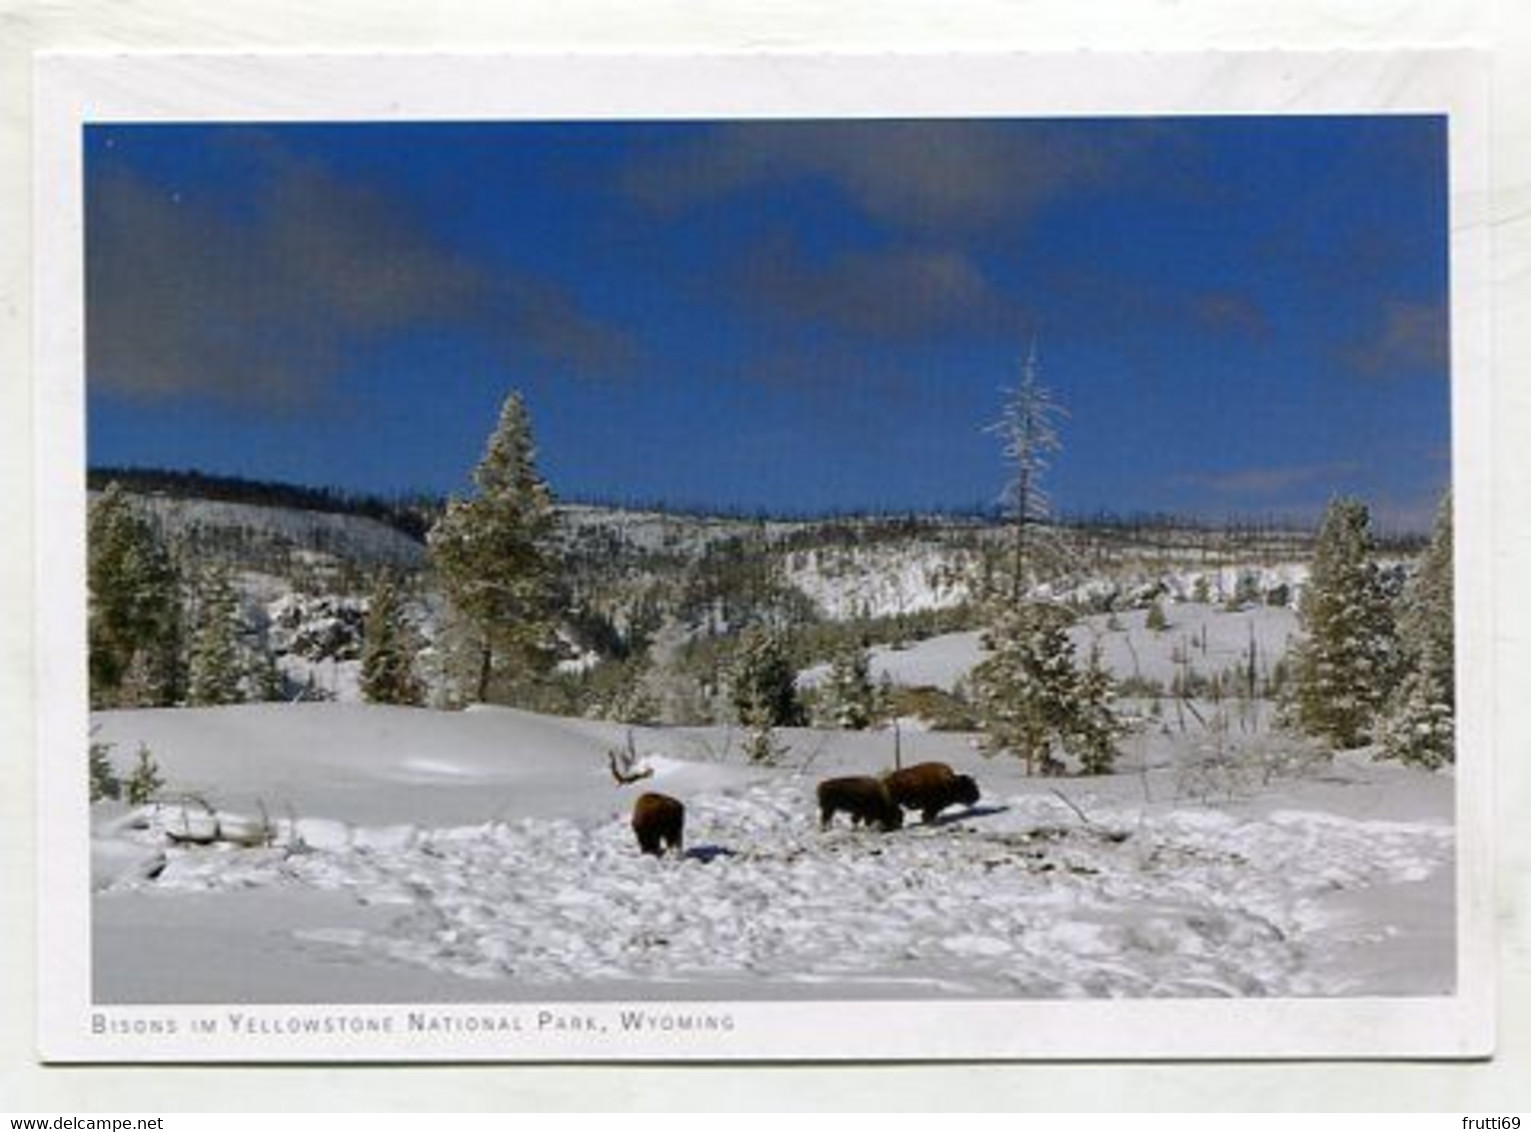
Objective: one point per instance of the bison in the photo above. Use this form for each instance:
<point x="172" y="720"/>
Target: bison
<point x="866" y="800"/>
<point x="930" y="788"/>
<point x="659" y="821"/>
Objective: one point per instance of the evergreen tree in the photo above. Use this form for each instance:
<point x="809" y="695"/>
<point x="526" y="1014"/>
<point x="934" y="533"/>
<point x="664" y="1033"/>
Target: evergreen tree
<point x="850" y="700"/>
<point x="631" y="699"/>
<point x="763" y="683"/>
<point x="1346" y="665"/>
<point x="1426" y="621"/>
<point x="216" y="674"/>
<point x="388" y="648"/>
<point x="104" y="783"/>
<point x="493" y="556"/>
<point x="763" y="688"/>
<point x="1096" y="727"/>
<point x="270" y="686"/>
<point x="145" y="781"/>
<point x="1420" y="727"/>
<point x="1028" y="692"/>
<point x="135" y="607"/>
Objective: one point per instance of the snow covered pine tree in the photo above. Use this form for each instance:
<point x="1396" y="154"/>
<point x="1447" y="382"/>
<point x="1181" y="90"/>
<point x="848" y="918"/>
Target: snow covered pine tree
<point x="849" y="699"/>
<point x="216" y="673"/>
<point x="763" y="687"/>
<point x="493" y="557"/>
<point x="388" y="648"/>
<point x="135" y="607"/>
<point x="1346" y="665"/>
<point x="1420" y="727"/>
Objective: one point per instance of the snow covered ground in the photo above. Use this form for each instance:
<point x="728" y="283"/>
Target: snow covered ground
<point x="486" y="856"/>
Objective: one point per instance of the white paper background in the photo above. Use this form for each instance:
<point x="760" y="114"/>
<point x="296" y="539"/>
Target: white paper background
<point x="1504" y="1084"/>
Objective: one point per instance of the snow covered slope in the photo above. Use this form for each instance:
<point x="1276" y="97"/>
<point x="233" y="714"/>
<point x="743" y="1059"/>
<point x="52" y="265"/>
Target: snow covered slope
<point x="1198" y="638"/>
<point x="355" y="538"/>
<point x="884" y="579"/>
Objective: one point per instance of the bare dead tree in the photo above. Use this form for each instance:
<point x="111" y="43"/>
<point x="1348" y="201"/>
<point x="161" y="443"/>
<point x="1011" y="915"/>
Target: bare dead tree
<point x="1028" y="430"/>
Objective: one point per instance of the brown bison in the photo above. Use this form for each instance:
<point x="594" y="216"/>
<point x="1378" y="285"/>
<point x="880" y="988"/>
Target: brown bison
<point x="930" y="788"/>
<point x="866" y="800"/>
<point x="659" y="821"/>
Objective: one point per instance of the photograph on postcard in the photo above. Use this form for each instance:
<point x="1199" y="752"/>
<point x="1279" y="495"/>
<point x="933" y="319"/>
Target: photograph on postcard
<point x="677" y="562"/>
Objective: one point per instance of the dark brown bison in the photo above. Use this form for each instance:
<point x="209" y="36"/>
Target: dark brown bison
<point x="659" y="821"/>
<point x="866" y="800"/>
<point x="930" y="788"/>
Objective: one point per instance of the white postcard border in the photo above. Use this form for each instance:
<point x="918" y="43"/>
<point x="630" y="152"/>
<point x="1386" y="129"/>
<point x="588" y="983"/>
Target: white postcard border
<point x="73" y="90"/>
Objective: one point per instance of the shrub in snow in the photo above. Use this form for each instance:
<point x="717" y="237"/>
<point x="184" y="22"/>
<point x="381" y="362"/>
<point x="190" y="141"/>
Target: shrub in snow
<point x="145" y="781"/>
<point x="1345" y="667"/>
<point x="104" y="783"/>
<point x="760" y="745"/>
<point x="1246" y="591"/>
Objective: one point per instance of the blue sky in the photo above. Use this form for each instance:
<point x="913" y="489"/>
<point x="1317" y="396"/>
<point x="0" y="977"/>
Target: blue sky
<point x="1242" y="316"/>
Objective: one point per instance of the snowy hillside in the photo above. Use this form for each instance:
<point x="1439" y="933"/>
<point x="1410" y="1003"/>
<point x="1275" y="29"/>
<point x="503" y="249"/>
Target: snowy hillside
<point x="655" y="532"/>
<point x="872" y="567"/>
<point x="1198" y="639"/>
<point x="354" y="538"/>
<point x="485" y="855"/>
<point x="882" y="580"/>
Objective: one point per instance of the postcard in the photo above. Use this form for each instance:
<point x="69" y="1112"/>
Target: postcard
<point x="763" y="557"/>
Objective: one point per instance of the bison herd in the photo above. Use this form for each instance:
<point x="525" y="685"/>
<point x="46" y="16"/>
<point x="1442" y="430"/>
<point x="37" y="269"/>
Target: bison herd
<point x="659" y="820"/>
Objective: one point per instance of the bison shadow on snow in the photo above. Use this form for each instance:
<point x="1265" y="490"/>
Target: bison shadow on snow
<point x="706" y="854"/>
<point x="984" y="811"/>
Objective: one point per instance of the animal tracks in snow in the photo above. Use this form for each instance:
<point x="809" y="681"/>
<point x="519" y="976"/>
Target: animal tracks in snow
<point x="1018" y="898"/>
